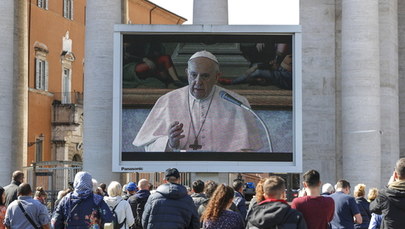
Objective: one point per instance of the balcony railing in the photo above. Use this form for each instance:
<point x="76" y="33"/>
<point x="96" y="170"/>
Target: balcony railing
<point x="67" y="108"/>
<point x="69" y="97"/>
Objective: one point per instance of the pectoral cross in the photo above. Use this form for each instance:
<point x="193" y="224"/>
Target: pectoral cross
<point x="195" y="146"/>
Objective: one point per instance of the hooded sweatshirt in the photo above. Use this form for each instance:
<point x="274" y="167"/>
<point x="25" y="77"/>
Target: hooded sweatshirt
<point x="82" y="208"/>
<point x="274" y="214"/>
<point x="170" y="207"/>
<point x="391" y="203"/>
<point x="122" y="209"/>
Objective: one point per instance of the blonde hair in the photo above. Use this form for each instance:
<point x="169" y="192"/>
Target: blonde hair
<point x="114" y="189"/>
<point x="372" y="194"/>
<point x="360" y="190"/>
<point x="260" y="191"/>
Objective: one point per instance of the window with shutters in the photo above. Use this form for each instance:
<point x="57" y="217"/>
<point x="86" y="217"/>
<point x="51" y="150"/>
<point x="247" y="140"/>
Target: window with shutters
<point x="41" y="74"/>
<point x="42" y="4"/>
<point x="68" y="9"/>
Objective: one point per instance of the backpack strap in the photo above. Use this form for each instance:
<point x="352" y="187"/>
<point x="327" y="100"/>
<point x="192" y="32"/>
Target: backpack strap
<point x="72" y="209"/>
<point x="27" y="216"/>
<point x="125" y="219"/>
<point x="116" y="205"/>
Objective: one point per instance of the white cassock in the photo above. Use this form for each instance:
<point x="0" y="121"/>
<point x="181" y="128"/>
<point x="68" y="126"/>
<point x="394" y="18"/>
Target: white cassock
<point x="228" y="127"/>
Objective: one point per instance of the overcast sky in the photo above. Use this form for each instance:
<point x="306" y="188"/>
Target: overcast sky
<point x="282" y="12"/>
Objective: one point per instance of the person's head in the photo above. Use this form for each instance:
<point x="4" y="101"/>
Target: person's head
<point x="95" y="185"/>
<point x="24" y="189"/>
<point x="172" y="175"/>
<point x="40" y="195"/>
<point x="237" y="185"/>
<point x="209" y="188"/>
<point x="274" y="188"/>
<point x="311" y="179"/>
<point x="328" y="188"/>
<point x="343" y="186"/>
<point x="359" y="190"/>
<point x="189" y="190"/>
<point x="150" y="186"/>
<point x="114" y="189"/>
<point x="372" y="194"/>
<point x="18" y="176"/>
<point x="131" y="187"/>
<point x="99" y="191"/>
<point x="63" y="193"/>
<point x="198" y="186"/>
<point x="103" y="187"/>
<point x="259" y="190"/>
<point x="2" y="197"/>
<point x="203" y="73"/>
<point x="143" y="184"/>
<point x="83" y="184"/>
<point x="400" y="169"/>
<point x="124" y="189"/>
<point x="220" y="200"/>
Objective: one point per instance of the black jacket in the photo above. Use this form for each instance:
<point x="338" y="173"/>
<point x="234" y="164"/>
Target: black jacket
<point x="274" y="215"/>
<point x="391" y="203"/>
<point x="137" y="203"/>
<point x="11" y="192"/>
<point x="170" y="207"/>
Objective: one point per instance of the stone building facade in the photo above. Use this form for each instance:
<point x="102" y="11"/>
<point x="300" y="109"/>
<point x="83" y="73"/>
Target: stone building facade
<point x="43" y="57"/>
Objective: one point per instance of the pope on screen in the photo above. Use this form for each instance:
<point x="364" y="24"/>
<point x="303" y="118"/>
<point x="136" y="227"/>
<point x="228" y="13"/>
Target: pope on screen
<point x="195" y="117"/>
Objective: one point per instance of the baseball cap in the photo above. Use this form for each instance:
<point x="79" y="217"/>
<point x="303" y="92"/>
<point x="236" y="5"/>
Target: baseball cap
<point x="131" y="186"/>
<point x="172" y="172"/>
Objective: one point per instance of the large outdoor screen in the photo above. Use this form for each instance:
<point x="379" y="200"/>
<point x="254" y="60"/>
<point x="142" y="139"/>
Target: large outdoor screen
<point x="244" y="116"/>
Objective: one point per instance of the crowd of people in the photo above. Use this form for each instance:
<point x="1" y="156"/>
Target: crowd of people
<point x="206" y="205"/>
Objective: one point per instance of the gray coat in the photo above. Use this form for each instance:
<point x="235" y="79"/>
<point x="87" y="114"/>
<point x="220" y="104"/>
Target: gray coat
<point x="11" y="192"/>
<point x="198" y="198"/>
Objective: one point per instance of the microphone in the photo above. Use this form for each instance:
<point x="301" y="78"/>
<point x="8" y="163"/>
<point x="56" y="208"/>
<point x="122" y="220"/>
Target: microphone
<point x="231" y="99"/>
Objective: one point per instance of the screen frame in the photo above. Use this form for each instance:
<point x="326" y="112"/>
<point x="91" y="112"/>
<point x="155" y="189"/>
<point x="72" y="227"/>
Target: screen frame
<point x="294" y="166"/>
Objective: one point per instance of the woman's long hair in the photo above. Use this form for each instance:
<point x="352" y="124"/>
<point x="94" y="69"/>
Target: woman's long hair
<point x="259" y="191"/>
<point x="218" y="202"/>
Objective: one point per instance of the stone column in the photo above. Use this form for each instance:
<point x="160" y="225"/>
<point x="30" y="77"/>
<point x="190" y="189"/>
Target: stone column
<point x="361" y="139"/>
<point x="6" y="88"/>
<point x="401" y="62"/>
<point x="98" y="81"/>
<point x="319" y="87"/>
<point x="124" y="12"/>
<point x="388" y="14"/>
<point x="213" y="12"/>
<point x="210" y="12"/>
<point x="20" y="89"/>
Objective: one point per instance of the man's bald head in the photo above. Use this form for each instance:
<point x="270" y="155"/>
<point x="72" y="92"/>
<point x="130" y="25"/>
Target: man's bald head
<point x="143" y="184"/>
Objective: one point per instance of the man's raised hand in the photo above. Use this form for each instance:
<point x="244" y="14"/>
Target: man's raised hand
<point x="175" y="134"/>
